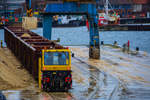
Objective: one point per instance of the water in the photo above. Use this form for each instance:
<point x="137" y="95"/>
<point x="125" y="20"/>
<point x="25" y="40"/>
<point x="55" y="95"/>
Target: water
<point x="137" y="38"/>
<point x="80" y="36"/>
<point x="69" y="36"/>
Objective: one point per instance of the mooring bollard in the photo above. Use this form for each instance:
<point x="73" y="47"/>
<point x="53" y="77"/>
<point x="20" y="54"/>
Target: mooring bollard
<point x="124" y="47"/>
<point x="102" y="42"/>
<point x="115" y="43"/>
<point x="137" y="49"/>
<point x="1" y="44"/>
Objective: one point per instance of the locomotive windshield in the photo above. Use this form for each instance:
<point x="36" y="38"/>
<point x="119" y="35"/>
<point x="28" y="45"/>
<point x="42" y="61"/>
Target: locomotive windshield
<point x="56" y="58"/>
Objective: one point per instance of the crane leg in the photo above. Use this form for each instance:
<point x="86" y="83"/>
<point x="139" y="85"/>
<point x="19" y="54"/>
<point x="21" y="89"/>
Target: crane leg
<point x="47" y="26"/>
<point x="94" y="48"/>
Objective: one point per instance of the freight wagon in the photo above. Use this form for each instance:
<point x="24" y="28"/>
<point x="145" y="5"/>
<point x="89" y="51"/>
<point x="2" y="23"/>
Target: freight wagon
<point x="48" y="62"/>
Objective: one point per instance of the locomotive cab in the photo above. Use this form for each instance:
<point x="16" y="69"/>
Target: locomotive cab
<point x="56" y="70"/>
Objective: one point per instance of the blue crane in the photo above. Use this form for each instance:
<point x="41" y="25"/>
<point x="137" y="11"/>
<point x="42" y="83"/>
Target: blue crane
<point x="73" y="7"/>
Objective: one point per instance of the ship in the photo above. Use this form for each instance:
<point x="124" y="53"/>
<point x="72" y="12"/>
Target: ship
<point x="130" y="15"/>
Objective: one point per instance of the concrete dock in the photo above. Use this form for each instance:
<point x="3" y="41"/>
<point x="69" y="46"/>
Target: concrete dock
<point x="117" y="76"/>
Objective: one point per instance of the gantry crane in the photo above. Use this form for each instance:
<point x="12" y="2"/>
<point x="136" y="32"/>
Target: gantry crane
<point x="74" y="7"/>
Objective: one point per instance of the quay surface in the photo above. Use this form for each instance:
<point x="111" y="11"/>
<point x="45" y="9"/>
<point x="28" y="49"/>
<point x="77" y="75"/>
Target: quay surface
<point x="117" y="76"/>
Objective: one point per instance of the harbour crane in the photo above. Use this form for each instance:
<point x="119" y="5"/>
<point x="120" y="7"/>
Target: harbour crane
<point x="74" y="7"/>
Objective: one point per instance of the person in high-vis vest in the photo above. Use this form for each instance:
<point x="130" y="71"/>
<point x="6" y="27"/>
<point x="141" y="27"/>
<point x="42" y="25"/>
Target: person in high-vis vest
<point x="29" y="12"/>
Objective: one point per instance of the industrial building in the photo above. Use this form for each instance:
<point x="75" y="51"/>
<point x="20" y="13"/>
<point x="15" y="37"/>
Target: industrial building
<point x="11" y="7"/>
<point x="127" y="8"/>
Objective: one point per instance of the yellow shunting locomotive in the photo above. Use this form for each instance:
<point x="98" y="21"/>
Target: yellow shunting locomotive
<point x="48" y="62"/>
<point x="55" y="70"/>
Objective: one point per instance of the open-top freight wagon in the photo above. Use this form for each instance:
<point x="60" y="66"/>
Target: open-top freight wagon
<point x="48" y="62"/>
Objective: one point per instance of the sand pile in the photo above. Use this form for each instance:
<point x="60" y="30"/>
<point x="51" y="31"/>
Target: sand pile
<point x="26" y="35"/>
<point x="12" y="73"/>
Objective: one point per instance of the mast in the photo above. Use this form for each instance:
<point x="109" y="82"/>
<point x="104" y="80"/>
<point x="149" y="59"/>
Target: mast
<point x="106" y="7"/>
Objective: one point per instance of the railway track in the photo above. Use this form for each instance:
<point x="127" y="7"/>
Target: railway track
<point x="99" y="80"/>
<point x="99" y="84"/>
